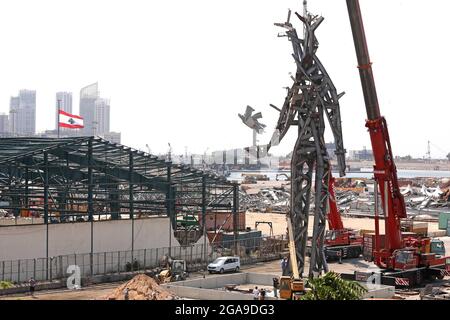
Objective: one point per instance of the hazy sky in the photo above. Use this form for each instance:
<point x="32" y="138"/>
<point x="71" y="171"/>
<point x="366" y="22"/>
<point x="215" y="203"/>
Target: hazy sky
<point x="179" y="71"/>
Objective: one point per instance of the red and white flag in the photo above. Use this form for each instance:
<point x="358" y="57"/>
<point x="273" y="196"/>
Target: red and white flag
<point x="67" y="120"/>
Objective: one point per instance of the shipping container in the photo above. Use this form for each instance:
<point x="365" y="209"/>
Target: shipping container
<point x="444" y="217"/>
<point x="216" y="220"/>
<point x="448" y="228"/>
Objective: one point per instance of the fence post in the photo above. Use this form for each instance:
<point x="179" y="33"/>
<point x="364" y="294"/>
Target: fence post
<point x="34" y="269"/>
<point x="51" y="269"/>
<point x="42" y="269"/>
<point x="145" y="258"/>
<point x="3" y="270"/>
<point x="104" y="263"/>
<point x="61" y="274"/>
<point x="18" y="271"/>
<point x="91" y="263"/>
<point x="118" y="261"/>
<point x="203" y="255"/>
<point x="26" y="269"/>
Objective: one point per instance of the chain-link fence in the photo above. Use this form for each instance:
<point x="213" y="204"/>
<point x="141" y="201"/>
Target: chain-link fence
<point x="103" y="263"/>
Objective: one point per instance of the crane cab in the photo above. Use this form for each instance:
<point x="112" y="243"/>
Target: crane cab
<point x="291" y="289"/>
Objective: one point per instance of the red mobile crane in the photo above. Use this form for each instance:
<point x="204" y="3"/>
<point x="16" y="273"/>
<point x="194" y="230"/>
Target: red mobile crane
<point x="410" y="259"/>
<point x="340" y="242"/>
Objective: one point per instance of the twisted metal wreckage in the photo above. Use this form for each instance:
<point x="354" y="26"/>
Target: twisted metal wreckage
<point x="310" y="99"/>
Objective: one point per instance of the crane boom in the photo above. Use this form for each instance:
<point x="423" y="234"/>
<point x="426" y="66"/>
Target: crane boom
<point x="334" y="218"/>
<point x="385" y="171"/>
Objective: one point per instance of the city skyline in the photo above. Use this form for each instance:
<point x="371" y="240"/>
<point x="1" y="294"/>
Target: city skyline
<point x="21" y="118"/>
<point x="188" y="92"/>
<point x="64" y="101"/>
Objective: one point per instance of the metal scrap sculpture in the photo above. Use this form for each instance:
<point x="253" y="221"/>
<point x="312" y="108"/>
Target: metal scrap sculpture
<point x="310" y="99"/>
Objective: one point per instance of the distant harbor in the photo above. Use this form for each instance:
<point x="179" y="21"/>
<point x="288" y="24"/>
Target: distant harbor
<point x="365" y="173"/>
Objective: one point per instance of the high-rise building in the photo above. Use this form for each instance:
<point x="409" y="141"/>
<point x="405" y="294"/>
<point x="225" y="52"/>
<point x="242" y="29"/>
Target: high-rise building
<point x="95" y="111"/>
<point x="14" y="104"/>
<point x="88" y="97"/>
<point x="102" y="114"/>
<point x="4" y="125"/>
<point x="22" y="111"/>
<point x="63" y="102"/>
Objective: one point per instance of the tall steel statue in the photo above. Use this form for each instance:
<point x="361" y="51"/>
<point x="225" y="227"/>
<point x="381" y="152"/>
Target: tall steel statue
<point x="311" y="98"/>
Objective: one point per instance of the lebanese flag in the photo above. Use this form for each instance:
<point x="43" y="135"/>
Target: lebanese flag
<point x="71" y="121"/>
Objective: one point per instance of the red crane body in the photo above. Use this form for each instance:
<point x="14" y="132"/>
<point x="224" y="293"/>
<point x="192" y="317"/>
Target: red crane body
<point x="338" y="235"/>
<point x="334" y="218"/>
<point x="396" y="254"/>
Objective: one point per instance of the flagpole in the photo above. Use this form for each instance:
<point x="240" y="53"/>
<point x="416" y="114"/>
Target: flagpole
<point x="59" y="101"/>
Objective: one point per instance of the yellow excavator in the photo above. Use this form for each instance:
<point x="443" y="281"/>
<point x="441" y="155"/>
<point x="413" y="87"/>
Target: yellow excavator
<point x="291" y="287"/>
<point x="175" y="271"/>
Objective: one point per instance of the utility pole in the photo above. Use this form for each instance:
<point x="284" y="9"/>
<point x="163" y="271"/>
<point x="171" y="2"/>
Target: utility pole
<point x="59" y="108"/>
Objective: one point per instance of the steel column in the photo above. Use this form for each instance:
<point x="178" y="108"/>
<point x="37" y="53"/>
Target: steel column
<point x="131" y="202"/>
<point x="204" y="216"/>
<point x="235" y="216"/>
<point x="90" y="200"/>
<point x="46" y="210"/>
<point x="169" y="202"/>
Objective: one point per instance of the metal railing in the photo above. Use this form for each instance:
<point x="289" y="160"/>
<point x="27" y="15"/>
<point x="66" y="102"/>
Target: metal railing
<point x="105" y="263"/>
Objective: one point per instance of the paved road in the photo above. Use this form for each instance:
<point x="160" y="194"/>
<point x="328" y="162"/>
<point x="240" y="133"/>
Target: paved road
<point x="273" y="267"/>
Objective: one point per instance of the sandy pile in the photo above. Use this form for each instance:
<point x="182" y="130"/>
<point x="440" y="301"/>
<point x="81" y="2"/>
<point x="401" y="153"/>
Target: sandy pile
<point x="141" y="287"/>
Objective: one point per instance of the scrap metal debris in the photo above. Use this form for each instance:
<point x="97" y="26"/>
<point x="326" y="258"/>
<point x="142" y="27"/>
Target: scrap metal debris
<point x="353" y="195"/>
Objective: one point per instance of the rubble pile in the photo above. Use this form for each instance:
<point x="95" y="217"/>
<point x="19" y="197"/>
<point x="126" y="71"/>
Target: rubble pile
<point x="266" y="200"/>
<point x="353" y="195"/>
<point x="141" y="287"/>
<point x="427" y="193"/>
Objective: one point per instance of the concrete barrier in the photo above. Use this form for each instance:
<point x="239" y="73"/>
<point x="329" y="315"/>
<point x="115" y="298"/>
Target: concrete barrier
<point x="212" y="288"/>
<point x="261" y="278"/>
<point x="39" y="287"/>
<point x="214" y="282"/>
<point x="380" y="292"/>
<point x="206" y="294"/>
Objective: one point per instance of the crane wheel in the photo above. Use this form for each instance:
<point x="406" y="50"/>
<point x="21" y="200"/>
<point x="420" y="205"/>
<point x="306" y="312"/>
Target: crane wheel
<point x="419" y="277"/>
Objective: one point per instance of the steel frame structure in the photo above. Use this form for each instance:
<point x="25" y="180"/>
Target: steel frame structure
<point x="91" y="179"/>
<point x="310" y="99"/>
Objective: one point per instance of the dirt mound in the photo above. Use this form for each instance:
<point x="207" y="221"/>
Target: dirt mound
<point x="141" y="287"/>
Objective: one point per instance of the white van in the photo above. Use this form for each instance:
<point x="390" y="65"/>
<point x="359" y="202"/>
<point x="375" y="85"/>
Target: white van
<point x="224" y="264"/>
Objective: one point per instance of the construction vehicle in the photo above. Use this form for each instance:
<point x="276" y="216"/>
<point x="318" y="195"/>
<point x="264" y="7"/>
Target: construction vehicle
<point x="403" y="261"/>
<point x="340" y="242"/>
<point x="291" y="287"/>
<point x="175" y="271"/>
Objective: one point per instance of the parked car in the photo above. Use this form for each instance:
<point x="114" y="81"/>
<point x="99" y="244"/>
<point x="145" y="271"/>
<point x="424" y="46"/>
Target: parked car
<point x="225" y="264"/>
